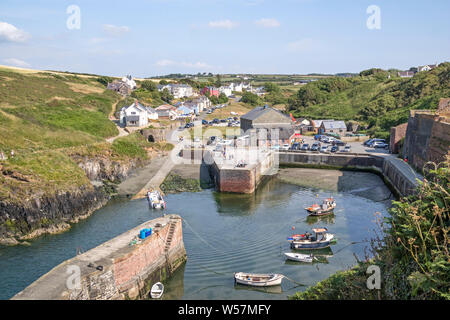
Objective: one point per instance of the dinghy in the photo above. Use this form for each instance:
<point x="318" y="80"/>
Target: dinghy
<point x="157" y="290"/>
<point x="156" y="200"/>
<point x="258" y="280"/>
<point x="327" y="207"/>
<point x="320" y="239"/>
<point x="299" y="257"/>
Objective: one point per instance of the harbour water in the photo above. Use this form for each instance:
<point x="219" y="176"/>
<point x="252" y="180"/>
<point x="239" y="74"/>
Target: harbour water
<point x="223" y="234"/>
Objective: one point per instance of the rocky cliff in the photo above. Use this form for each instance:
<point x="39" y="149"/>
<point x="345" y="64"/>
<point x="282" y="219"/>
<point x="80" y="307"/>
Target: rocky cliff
<point x="52" y="213"/>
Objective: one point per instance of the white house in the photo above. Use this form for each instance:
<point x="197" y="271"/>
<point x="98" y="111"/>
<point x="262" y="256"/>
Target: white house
<point x="136" y="115"/>
<point x="128" y="80"/>
<point x="427" y="67"/>
<point x="178" y="90"/>
<point x="226" y="90"/>
<point x="203" y="103"/>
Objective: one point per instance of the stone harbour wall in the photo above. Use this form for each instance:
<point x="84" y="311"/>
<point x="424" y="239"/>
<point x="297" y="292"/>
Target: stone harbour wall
<point x="117" y="269"/>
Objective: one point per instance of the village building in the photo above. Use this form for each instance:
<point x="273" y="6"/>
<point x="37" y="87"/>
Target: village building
<point x="316" y="124"/>
<point x="119" y="87"/>
<point x="265" y="118"/>
<point x="203" y="103"/>
<point x="177" y="90"/>
<point x="406" y="74"/>
<point x="167" y="111"/>
<point x="128" y="80"/>
<point x="427" y="67"/>
<point x="331" y="126"/>
<point x="212" y="91"/>
<point x="226" y="90"/>
<point x="137" y="115"/>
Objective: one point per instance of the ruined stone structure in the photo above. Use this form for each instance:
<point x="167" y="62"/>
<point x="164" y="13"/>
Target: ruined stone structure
<point x="120" y="268"/>
<point x="397" y="134"/>
<point x="428" y="136"/>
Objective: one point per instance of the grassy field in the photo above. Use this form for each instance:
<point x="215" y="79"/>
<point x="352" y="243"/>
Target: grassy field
<point x="225" y="112"/>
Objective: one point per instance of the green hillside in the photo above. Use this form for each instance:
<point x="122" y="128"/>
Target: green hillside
<point x="47" y="118"/>
<point x="373" y="98"/>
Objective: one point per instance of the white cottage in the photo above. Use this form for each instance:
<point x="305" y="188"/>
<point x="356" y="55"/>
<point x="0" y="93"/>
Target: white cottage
<point x="136" y="115"/>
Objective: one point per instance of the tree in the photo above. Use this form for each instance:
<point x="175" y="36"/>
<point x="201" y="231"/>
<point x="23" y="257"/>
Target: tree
<point x="163" y="82"/>
<point x="218" y="80"/>
<point x="166" y="96"/>
<point x="223" y="98"/>
<point x="149" y="85"/>
<point x="251" y="99"/>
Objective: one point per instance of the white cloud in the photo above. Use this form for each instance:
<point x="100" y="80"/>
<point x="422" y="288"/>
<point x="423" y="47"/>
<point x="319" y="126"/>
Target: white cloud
<point x="300" y="45"/>
<point x="115" y="30"/>
<point x="198" y="65"/>
<point x="268" y="22"/>
<point x="16" y="62"/>
<point x="8" y="32"/>
<point x="227" y="24"/>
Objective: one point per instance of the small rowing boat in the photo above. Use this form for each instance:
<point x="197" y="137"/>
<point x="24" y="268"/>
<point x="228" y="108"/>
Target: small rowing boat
<point x="320" y="239"/>
<point x="327" y="207"/>
<point x="299" y="257"/>
<point x="157" y="290"/>
<point x="156" y="200"/>
<point x="258" y="280"/>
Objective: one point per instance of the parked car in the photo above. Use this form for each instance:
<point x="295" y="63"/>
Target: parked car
<point x="371" y="144"/>
<point x="323" y="149"/>
<point x="216" y="120"/>
<point x="204" y="121"/>
<point x="379" y="144"/>
<point x="338" y="143"/>
<point x="275" y="147"/>
<point x="294" y="146"/>
<point x="315" y="146"/>
<point x="285" y="146"/>
<point x="305" y="147"/>
<point x="334" y="149"/>
<point x="318" y="136"/>
<point x="347" y="148"/>
<point x="325" y="139"/>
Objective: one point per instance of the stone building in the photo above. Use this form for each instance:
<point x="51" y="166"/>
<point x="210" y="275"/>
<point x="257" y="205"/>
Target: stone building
<point x="428" y="135"/>
<point x="396" y="136"/>
<point x="265" y="118"/>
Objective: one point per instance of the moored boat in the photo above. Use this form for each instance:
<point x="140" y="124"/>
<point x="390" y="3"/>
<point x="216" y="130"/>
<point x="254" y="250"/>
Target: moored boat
<point x="157" y="290"/>
<point x="258" y="280"/>
<point x="327" y="207"/>
<point x="156" y="200"/>
<point x="320" y="239"/>
<point x="299" y="257"/>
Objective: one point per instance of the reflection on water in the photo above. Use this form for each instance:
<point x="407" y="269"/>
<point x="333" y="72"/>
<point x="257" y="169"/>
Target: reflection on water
<point x="223" y="234"/>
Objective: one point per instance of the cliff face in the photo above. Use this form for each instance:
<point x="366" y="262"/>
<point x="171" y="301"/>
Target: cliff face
<point x="52" y="213"/>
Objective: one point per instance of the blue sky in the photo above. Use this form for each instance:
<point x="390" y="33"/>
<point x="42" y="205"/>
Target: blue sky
<point x="155" y="37"/>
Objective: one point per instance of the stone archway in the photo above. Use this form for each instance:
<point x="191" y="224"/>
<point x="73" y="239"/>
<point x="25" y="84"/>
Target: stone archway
<point x="150" y="138"/>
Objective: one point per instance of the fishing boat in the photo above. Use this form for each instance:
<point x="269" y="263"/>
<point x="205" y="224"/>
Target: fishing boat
<point x="157" y="290"/>
<point x="327" y="207"/>
<point x="320" y="239"/>
<point x="258" y="280"/>
<point x="156" y="200"/>
<point x="299" y="257"/>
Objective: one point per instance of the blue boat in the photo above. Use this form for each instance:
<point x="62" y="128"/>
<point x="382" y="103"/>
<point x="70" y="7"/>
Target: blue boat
<point x="320" y="239"/>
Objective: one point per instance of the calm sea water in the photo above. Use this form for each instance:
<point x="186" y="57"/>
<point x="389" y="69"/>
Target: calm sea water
<point x="223" y="234"/>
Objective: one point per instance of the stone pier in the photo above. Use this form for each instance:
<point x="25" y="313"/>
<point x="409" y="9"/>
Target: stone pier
<point x="121" y="268"/>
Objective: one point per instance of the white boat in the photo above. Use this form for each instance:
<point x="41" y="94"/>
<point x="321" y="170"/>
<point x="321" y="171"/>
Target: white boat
<point x="157" y="290"/>
<point x="327" y="207"/>
<point x="299" y="257"/>
<point x="156" y="200"/>
<point x="320" y="239"/>
<point x="258" y="280"/>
